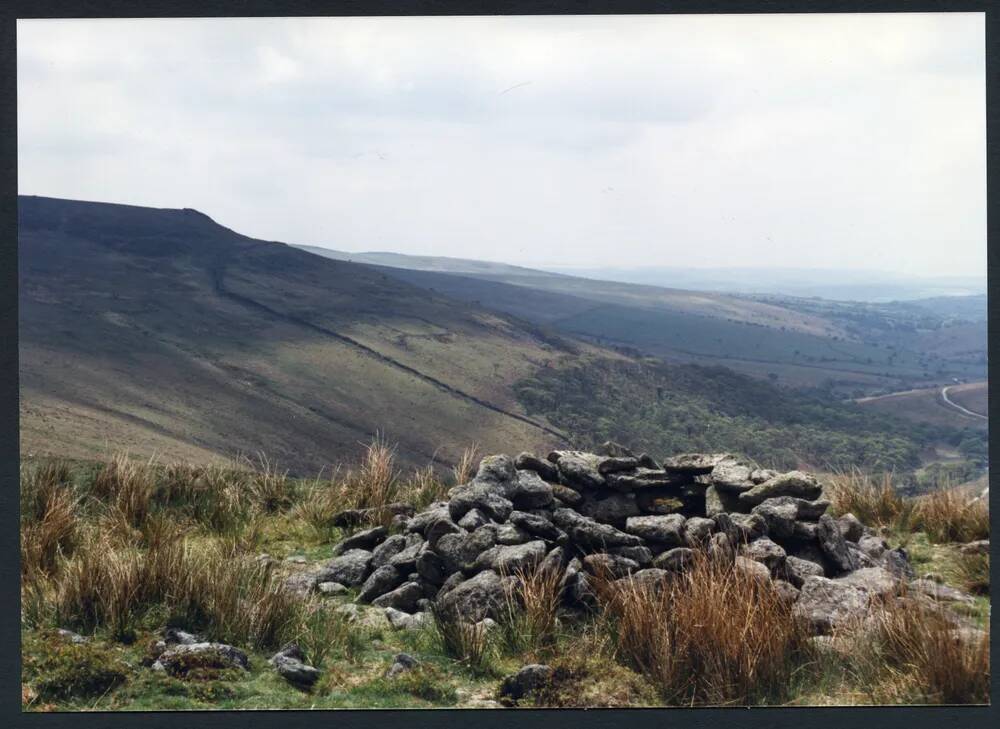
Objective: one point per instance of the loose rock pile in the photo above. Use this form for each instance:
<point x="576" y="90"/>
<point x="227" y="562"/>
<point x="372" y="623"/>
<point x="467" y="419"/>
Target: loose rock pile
<point x="612" y="513"/>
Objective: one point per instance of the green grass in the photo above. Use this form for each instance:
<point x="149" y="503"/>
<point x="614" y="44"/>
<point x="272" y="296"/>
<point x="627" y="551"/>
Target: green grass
<point x="107" y="673"/>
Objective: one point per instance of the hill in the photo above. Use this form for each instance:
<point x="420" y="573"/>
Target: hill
<point x="836" y="284"/>
<point x="856" y="348"/>
<point x="161" y="330"/>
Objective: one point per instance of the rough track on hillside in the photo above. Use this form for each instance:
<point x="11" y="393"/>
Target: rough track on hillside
<point x="217" y="271"/>
<point x="960" y="408"/>
<point x="623" y="516"/>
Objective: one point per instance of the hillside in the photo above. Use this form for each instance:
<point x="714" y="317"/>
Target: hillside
<point x="857" y="348"/>
<point x="160" y="330"/>
<point x="685" y="408"/>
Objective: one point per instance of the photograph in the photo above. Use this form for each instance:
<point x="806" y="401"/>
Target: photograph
<point x="503" y="362"/>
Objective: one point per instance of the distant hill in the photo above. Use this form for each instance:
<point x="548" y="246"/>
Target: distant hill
<point x="160" y="330"/>
<point x="857" y="347"/>
<point x="833" y="284"/>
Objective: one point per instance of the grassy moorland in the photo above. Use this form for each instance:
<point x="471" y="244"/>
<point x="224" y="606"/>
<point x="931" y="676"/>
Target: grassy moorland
<point x="163" y="331"/>
<point x="118" y="550"/>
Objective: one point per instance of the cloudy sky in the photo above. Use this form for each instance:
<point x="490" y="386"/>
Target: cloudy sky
<point x="851" y="141"/>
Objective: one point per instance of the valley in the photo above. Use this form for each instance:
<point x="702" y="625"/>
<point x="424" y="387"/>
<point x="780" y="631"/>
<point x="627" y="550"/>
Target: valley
<point x="852" y="348"/>
<point x="168" y="335"/>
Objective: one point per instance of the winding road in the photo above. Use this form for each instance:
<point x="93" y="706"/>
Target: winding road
<point x="966" y="411"/>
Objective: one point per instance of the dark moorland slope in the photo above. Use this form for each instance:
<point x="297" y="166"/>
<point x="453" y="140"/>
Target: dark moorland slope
<point x="162" y="330"/>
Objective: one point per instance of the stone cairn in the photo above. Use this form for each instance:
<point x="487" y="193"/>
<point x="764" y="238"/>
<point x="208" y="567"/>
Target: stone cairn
<point x="618" y="514"/>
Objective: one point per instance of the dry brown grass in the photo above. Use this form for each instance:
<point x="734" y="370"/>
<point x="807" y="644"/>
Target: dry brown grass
<point x="948" y="515"/>
<point x="925" y="657"/>
<point x="468" y="463"/>
<point x="873" y="499"/>
<point x="50" y="519"/>
<point x="374" y="484"/>
<point x="230" y="596"/>
<point x="270" y="489"/>
<point x="972" y="572"/>
<point x="529" y="620"/>
<point x="128" y="487"/>
<point x="422" y="487"/>
<point x="713" y="635"/>
<point x="322" y="502"/>
<point x="378" y="482"/>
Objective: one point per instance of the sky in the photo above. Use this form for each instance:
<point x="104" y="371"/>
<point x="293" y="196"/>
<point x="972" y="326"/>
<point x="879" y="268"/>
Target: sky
<point x="792" y="141"/>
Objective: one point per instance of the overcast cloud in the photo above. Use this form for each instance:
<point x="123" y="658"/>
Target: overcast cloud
<point x="846" y="141"/>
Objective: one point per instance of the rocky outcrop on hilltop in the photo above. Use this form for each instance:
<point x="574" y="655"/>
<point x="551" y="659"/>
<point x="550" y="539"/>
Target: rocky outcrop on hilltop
<point x="620" y="515"/>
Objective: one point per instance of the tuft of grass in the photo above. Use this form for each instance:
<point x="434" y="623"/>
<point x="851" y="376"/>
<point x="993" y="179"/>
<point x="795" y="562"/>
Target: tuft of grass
<point x="529" y="620"/>
<point x="50" y="520"/>
<point x="270" y="489"/>
<point x="972" y="572"/>
<point x="468" y="462"/>
<point x="375" y="483"/>
<point x="713" y="635"/>
<point x="872" y="499"/>
<point x="921" y="645"/>
<point x="38" y="482"/>
<point x="229" y="596"/>
<point x="422" y="487"/>
<point x="322" y="631"/>
<point x="948" y="515"/>
<point x="319" y="505"/>
<point x="127" y="487"/>
<point x="469" y="643"/>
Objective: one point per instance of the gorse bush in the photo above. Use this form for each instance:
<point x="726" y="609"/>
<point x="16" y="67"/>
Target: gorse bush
<point x="712" y="635"/>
